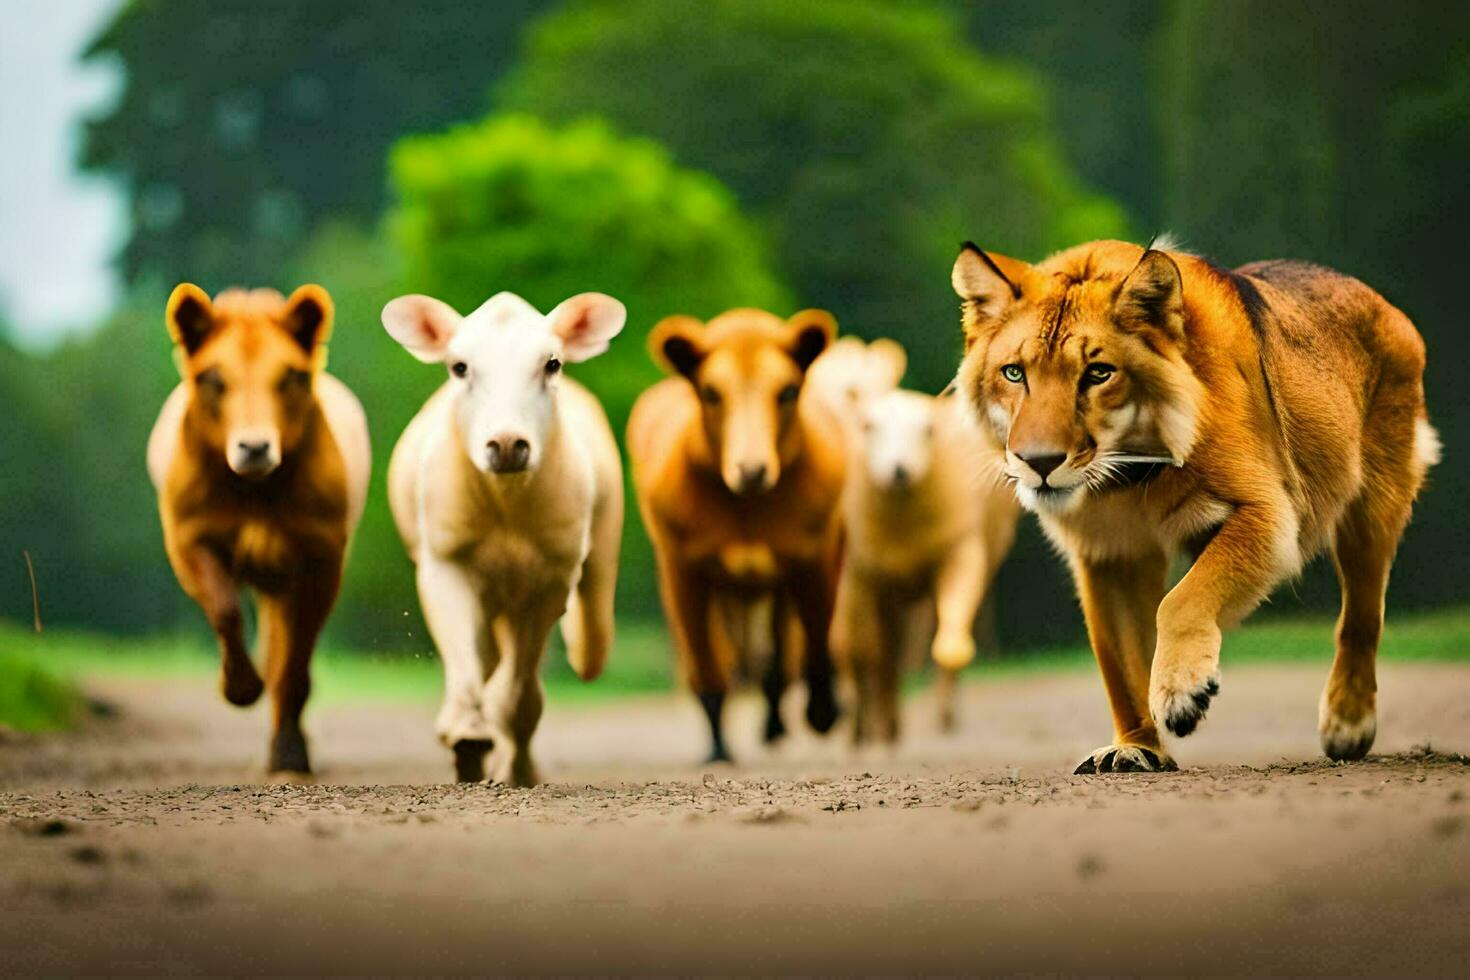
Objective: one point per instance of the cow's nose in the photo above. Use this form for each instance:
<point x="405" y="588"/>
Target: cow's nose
<point x="752" y="477"/>
<point x="1043" y="463"/>
<point x="254" y="450"/>
<point x="508" y="454"/>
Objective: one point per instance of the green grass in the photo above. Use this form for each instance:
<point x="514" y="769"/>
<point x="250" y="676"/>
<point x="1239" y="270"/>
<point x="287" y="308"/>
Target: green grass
<point x="38" y="671"/>
<point x="32" y="698"/>
<point x="640" y="664"/>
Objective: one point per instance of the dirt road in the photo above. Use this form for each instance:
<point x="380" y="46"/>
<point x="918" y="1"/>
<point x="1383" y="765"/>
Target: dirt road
<point x="141" y="844"/>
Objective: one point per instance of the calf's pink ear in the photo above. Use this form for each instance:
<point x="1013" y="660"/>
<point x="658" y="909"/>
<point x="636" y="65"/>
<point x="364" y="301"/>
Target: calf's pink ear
<point x="586" y="323"/>
<point x="422" y="324"/>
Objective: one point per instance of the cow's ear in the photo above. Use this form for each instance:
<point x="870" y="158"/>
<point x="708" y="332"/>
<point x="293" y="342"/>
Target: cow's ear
<point x="676" y="343"/>
<point x="422" y="324"/>
<point x="189" y="317"/>
<point x="811" y="332"/>
<point x="890" y="358"/>
<point x="1152" y="295"/>
<point x="586" y="323"/>
<point x="308" y="317"/>
<point x="988" y="284"/>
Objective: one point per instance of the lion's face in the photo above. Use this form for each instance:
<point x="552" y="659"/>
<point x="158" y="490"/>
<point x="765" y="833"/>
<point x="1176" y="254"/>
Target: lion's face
<point x="1079" y="379"/>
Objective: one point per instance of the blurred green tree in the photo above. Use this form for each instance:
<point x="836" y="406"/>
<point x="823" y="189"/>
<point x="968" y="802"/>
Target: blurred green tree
<point x="76" y="494"/>
<point x="241" y="124"/>
<point x="1099" y="61"/>
<point x="867" y="137"/>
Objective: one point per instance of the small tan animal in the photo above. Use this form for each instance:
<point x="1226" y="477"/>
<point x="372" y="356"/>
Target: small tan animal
<point x="921" y="529"/>
<point x="507" y="490"/>
<point x="851" y="373"/>
<point x="1145" y="402"/>
<point x="738" y="478"/>
<point x="261" y="462"/>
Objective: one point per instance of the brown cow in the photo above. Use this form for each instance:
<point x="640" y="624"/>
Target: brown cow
<point x="738" y="477"/>
<point x="260" y="460"/>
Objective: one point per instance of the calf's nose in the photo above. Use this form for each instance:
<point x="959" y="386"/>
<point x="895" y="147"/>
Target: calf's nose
<point x="508" y="453"/>
<point x="254" y="450"/>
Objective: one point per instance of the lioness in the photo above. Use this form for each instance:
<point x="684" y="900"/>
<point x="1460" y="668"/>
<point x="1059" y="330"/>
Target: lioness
<point x="1148" y="402"/>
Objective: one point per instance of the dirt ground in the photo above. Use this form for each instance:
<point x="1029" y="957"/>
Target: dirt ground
<point x="145" y="843"/>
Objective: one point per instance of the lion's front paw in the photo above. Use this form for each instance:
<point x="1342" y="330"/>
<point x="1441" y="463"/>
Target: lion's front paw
<point x="1181" y="706"/>
<point x="1125" y="758"/>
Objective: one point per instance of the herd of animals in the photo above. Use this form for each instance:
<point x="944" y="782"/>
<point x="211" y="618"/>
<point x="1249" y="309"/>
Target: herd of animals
<point x="811" y="519"/>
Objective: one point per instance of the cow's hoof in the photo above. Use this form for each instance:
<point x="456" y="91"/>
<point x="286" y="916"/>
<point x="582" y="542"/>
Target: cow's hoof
<point x="775" y="727"/>
<point x="289" y="777"/>
<point x="469" y="759"/>
<point x="821" y="710"/>
<point x="1125" y="758"/>
<point x="288" y="753"/>
<point x="241" y="685"/>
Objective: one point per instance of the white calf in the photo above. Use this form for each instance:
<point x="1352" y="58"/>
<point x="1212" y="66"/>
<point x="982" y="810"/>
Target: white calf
<point x="507" y="490"/>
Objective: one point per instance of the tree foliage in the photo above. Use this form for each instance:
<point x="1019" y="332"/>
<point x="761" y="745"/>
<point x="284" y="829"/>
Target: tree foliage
<point x="867" y="137"/>
<point x="242" y="124"/>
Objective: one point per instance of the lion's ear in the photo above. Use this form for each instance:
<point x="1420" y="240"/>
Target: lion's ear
<point x="1152" y="295"/>
<point x="988" y="284"/>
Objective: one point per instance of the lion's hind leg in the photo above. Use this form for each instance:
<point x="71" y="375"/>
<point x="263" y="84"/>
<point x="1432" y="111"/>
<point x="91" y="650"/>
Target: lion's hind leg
<point x="1363" y="549"/>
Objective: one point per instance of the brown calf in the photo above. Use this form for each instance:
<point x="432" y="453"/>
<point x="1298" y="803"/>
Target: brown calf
<point x="260" y="460"/>
<point x="738" y="477"/>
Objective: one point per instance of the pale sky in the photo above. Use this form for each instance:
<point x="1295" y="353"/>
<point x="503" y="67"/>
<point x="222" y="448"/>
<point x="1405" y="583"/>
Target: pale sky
<point x="58" y="230"/>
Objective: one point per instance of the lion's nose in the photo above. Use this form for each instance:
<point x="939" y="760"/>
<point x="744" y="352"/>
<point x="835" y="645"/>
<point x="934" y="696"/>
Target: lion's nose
<point x="1043" y="463"/>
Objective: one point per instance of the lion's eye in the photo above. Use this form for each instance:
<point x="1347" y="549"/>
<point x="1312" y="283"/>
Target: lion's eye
<point x="459" y="369"/>
<point x="1013" y="373"/>
<point x="1096" y="374"/>
<point x="553" y="365"/>
<point x="709" y="395"/>
<point x="788" y="394"/>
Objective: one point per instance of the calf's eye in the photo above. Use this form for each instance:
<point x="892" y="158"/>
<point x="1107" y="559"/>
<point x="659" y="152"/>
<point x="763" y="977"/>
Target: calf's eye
<point x="709" y="395"/>
<point x="459" y="369"/>
<point x="553" y="365"/>
<point x="1013" y="373"/>
<point x="788" y="394"/>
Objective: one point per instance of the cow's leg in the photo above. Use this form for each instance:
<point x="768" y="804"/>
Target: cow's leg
<point x="218" y="594"/>
<point x="513" y="699"/>
<point x="292" y="622"/>
<point x="857" y="631"/>
<point x="587" y="626"/>
<point x="813" y="590"/>
<point x="687" y="606"/>
<point x="959" y="587"/>
<point x="773" y="680"/>
<point x="454" y="611"/>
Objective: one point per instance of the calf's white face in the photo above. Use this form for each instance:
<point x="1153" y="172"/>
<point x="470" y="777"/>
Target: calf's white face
<point x="898" y="439"/>
<point x="504" y="362"/>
